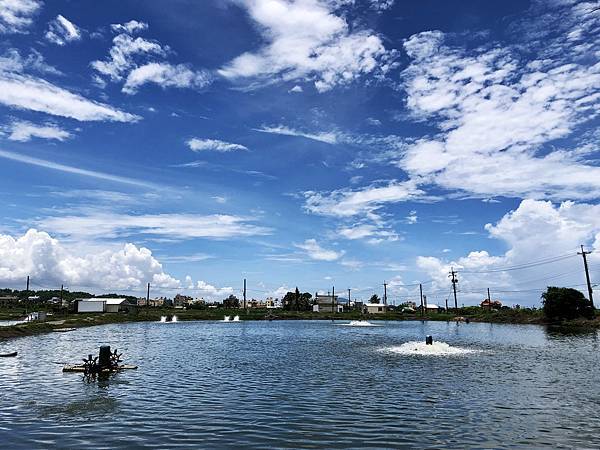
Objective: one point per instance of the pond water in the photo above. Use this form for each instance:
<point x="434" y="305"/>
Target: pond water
<point x="291" y="384"/>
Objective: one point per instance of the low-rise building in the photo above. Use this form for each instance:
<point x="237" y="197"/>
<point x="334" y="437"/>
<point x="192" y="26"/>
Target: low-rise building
<point x="115" y="305"/>
<point x="375" y="308"/>
<point x="491" y="304"/>
<point x="90" y="305"/>
<point x="327" y="304"/>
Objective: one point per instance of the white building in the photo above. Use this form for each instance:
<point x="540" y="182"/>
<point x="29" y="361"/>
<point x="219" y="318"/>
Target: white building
<point x="115" y="305"/>
<point x="375" y="308"/>
<point x="90" y="305"/>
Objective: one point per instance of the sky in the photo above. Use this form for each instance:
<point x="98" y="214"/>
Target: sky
<point x="309" y="143"/>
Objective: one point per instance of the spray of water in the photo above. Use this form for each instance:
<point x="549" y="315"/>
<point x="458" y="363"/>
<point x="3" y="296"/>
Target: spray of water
<point x="226" y="319"/>
<point x="422" y="349"/>
<point x="163" y="319"/>
<point x="359" y="323"/>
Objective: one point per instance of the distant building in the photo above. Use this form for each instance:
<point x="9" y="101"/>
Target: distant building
<point x="89" y="305"/>
<point x="326" y="304"/>
<point x="181" y="301"/>
<point x="115" y="305"/>
<point x="271" y="303"/>
<point x="494" y="304"/>
<point x="375" y="308"/>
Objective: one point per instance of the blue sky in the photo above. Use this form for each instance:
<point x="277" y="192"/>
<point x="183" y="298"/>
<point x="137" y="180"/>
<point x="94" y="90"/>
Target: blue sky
<point x="309" y="142"/>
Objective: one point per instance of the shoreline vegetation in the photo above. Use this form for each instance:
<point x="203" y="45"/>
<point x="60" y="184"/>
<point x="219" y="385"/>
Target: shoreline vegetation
<point x="469" y="314"/>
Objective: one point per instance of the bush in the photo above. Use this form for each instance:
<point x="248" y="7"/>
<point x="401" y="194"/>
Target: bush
<point x="566" y="303"/>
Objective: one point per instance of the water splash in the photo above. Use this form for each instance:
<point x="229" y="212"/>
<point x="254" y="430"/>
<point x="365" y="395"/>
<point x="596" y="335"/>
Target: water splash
<point x="226" y="318"/>
<point x="236" y="319"/>
<point x="174" y="319"/>
<point x="359" y="323"/>
<point x="422" y="349"/>
<point x="163" y="319"/>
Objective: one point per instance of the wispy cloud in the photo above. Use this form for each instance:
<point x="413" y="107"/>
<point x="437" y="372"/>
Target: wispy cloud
<point x="327" y="137"/>
<point x="73" y="170"/>
<point x="109" y="225"/>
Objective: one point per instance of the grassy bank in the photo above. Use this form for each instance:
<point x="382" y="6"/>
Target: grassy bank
<point x="513" y="316"/>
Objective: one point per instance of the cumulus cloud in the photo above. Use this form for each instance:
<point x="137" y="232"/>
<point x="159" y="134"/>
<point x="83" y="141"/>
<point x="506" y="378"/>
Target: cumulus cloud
<point x="165" y="75"/>
<point x="373" y="232"/>
<point x="47" y="261"/>
<point x="62" y="31"/>
<point x="17" y="15"/>
<point x="314" y="251"/>
<point x="542" y="240"/>
<point x="326" y="137"/>
<point x="13" y="61"/>
<point x="132" y="59"/>
<point x="23" y="131"/>
<point x="201" y="145"/>
<point x="307" y="41"/>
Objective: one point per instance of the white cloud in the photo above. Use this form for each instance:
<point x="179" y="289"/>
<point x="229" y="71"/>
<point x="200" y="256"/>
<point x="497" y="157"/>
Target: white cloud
<point x="296" y="89"/>
<point x="412" y="218"/>
<point x="131" y="59"/>
<point x="315" y="251"/>
<point x="122" y="53"/>
<point x="17" y="15"/>
<point x="366" y="230"/>
<point x="208" y="290"/>
<point x="73" y="170"/>
<point x="130" y="27"/>
<point x="36" y="94"/>
<point x="308" y="42"/>
<point x="327" y="137"/>
<point x="200" y="145"/>
<point x="49" y="263"/>
<point x="537" y="231"/>
<point x="23" y="131"/>
<point x="382" y="5"/>
<point x="61" y="31"/>
<point x="13" y="61"/>
<point x="109" y="225"/>
<point x="366" y="201"/>
<point x="496" y="112"/>
<point x="166" y="75"/>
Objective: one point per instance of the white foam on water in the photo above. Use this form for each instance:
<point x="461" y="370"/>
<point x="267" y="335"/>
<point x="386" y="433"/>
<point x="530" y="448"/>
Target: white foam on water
<point x="226" y="319"/>
<point x="236" y="319"/>
<point x="163" y="319"/>
<point x="359" y="323"/>
<point x="422" y="349"/>
<point x="174" y="319"/>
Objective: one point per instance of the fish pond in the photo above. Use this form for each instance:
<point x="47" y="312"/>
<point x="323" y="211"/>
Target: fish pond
<point x="305" y="384"/>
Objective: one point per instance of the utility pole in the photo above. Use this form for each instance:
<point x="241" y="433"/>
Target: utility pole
<point x="245" y="310"/>
<point x="348" y="299"/>
<point x="421" y="290"/>
<point x="489" y="300"/>
<point x="425" y="303"/>
<point x="61" y="294"/>
<point x="587" y="274"/>
<point x="454" y="281"/>
<point x="27" y="290"/>
<point x="446" y="304"/>
<point x="148" y="296"/>
<point x="385" y="293"/>
<point x="333" y="308"/>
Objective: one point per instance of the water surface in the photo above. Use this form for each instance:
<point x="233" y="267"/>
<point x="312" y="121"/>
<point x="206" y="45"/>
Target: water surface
<point x="290" y="384"/>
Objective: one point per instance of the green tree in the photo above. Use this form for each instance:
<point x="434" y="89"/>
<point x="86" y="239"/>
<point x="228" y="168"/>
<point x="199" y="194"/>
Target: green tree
<point x="295" y="301"/>
<point x="374" y="299"/>
<point x="566" y="303"/>
<point x="231" y="302"/>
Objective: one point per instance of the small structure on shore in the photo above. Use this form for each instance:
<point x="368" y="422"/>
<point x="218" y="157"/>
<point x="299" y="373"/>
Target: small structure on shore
<point x="105" y="363"/>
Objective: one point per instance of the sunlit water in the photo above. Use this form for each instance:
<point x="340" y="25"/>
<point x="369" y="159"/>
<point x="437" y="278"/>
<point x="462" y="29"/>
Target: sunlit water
<point x="305" y="384"/>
